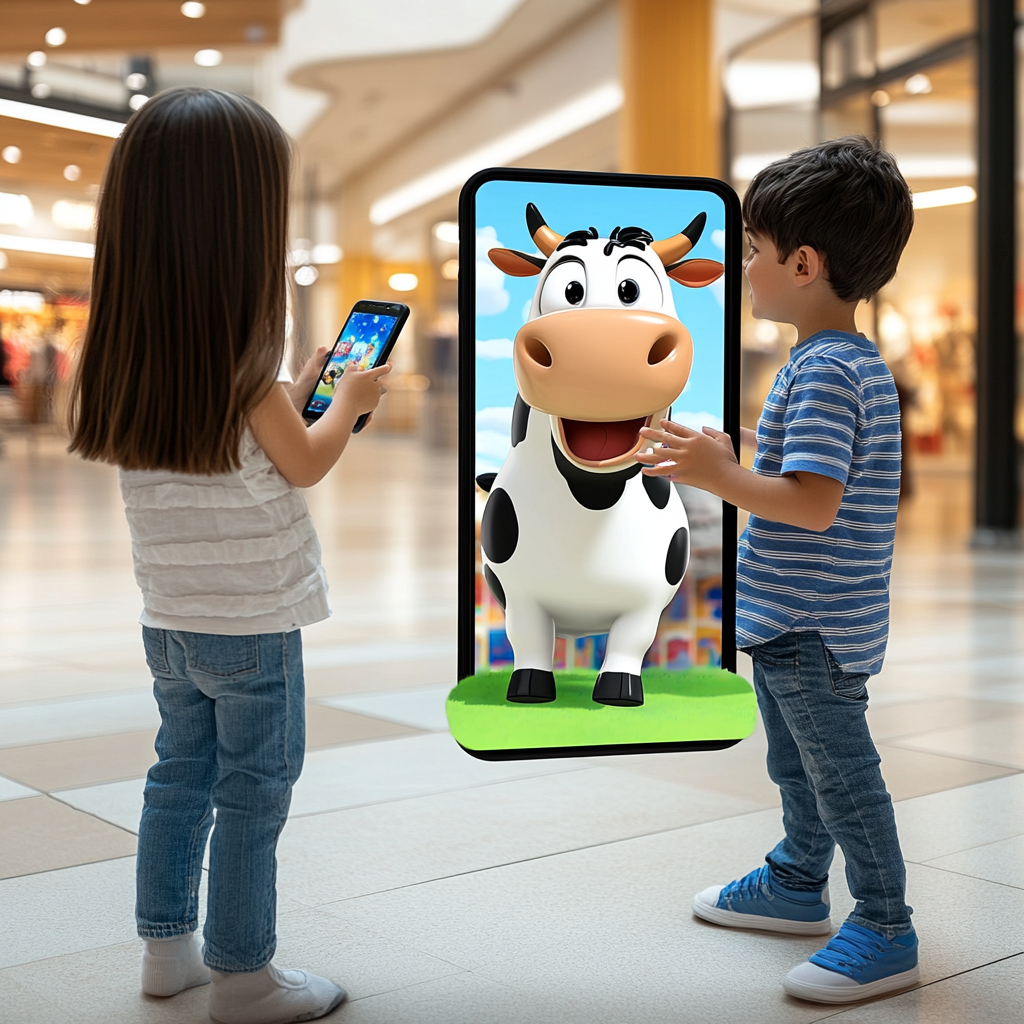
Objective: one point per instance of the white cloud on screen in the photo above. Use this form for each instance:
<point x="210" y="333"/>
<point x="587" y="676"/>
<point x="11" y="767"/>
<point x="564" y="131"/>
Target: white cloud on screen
<point x="697" y="420"/>
<point x="718" y="239"/>
<point x="493" y="438"/>
<point x="494" y="348"/>
<point x="491" y="296"/>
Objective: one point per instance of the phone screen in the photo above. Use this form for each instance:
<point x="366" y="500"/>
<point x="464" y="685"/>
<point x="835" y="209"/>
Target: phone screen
<point x="362" y="340"/>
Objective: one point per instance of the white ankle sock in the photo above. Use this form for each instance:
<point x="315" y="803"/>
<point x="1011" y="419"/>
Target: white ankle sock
<point x="270" y="996"/>
<point x="170" y="966"/>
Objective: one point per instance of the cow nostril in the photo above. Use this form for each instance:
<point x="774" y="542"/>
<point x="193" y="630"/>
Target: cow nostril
<point x="537" y="351"/>
<point x="661" y="349"/>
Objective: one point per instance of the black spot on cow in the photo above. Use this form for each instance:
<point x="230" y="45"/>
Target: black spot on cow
<point x="678" y="555"/>
<point x="658" y="490"/>
<point x="520" y="420"/>
<point x="499" y="531"/>
<point x="495" y="584"/>
<point x="485" y="481"/>
<point x="596" y="491"/>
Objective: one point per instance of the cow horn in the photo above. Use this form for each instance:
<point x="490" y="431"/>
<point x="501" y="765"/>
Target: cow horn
<point x="673" y="249"/>
<point x="544" y="238"/>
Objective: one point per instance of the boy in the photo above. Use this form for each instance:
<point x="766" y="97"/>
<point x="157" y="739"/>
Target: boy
<point x="826" y="228"/>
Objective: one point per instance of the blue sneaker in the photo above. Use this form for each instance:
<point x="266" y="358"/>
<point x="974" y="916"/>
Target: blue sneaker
<point x="758" y="901"/>
<point x="857" y="963"/>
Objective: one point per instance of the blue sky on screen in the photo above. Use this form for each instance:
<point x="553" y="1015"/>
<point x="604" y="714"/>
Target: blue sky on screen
<point x="503" y="302"/>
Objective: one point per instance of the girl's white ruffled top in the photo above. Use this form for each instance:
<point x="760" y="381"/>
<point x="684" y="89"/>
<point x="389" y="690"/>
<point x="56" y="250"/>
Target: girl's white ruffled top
<point x="233" y="554"/>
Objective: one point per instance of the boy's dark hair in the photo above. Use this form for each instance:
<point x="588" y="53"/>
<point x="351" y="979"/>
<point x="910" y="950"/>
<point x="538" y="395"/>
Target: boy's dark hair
<point x="845" y="198"/>
<point x="187" y="327"/>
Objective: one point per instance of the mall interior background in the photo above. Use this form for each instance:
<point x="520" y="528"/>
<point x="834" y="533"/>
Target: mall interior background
<point x="437" y="887"/>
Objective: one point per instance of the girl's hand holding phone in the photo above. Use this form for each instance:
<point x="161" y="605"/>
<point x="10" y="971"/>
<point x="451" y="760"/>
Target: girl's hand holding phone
<point x="299" y="390"/>
<point x="360" y="391"/>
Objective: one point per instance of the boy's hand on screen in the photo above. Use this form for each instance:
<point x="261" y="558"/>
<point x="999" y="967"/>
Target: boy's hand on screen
<point x="299" y="389"/>
<point x="361" y="390"/>
<point x="699" y="458"/>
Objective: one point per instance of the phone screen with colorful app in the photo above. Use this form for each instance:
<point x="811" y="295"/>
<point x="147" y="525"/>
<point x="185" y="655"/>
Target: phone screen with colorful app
<point x="362" y="341"/>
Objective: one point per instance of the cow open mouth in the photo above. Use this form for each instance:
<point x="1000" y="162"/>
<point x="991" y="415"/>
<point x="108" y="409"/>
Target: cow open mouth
<point x="597" y="443"/>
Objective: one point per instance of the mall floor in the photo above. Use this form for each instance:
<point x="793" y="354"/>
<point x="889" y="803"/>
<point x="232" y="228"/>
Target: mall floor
<point x="443" y="890"/>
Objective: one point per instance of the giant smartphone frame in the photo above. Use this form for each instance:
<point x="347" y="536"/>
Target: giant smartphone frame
<point x="466" y="652"/>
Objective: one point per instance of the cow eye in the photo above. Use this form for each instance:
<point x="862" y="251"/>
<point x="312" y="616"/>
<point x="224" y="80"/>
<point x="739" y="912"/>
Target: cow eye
<point x="637" y="284"/>
<point x="564" y="288"/>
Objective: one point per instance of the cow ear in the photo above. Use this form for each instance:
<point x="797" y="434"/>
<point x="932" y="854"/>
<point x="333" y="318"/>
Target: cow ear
<point x="696" y="273"/>
<point x="516" y="264"/>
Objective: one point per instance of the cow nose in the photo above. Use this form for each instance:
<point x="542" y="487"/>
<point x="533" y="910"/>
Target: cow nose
<point x="662" y="348"/>
<point x="537" y="351"/>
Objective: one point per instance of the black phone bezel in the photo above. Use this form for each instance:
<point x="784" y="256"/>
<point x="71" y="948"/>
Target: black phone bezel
<point x="399" y="310"/>
<point x="466" y="644"/>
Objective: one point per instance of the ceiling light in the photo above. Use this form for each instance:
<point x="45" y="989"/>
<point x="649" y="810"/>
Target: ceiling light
<point x="403" y="282"/>
<point x="193" y="9"/>
<point x="11" y="154"/>
<point x="918" y="85"/>
<point x="944" y="197"/>
<point x="305" y="276"/>
<point x="769" y="83"/>
<point x="326" y="253"/>
<point x="592" y="106"/>
<point x="15" y="209"/>
<point x="41" y="90"/>
<point x="881" y="98"/>
<point x="208" y="58"/>
<point x="56" y="37"/>
<point x="36" y="59"/>
<point x="48" y="246"/>
<point x="61" y="118"/>
<point x="447" y="231"/>
<point x="84" y="3"/>
<point x="450" y="270"/>
<point x="73" y="216"/>
<point x="72" y="172"/>
<point x="138" y="101"/>
<point x="136" y="81"/>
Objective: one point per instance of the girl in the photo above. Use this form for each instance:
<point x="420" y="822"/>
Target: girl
<point x="177" y="386"/>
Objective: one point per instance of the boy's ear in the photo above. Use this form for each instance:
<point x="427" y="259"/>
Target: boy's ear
<point x="516" y="264"/>
<point x="809" y="266"/>
<point x="695" y="273"/>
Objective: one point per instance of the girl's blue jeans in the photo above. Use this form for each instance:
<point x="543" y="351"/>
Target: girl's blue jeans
<point x="821" y="756"/>
<point x="231" y="742"/>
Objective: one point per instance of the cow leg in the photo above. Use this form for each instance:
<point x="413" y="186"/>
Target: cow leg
<point x="531" y="632"/>
<point x="618" y="682"/>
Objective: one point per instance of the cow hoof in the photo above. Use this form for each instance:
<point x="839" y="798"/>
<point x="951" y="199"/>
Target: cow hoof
<point x="531" y="686"/>
<point x="619" y="689"/>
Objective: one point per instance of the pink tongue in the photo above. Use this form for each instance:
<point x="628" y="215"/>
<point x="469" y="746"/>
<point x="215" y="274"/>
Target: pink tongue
<point x="596" y="442"/>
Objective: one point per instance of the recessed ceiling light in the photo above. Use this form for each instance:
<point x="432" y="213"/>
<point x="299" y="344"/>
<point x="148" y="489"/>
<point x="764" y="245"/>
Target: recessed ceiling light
<point x="208" y="58"/>
<point x="136" y="81"/>
<point x="36" y="59"/>
<point x="73" y="216"/>
<point x="403" y="282"/>
<point x="72" y="172"/>
<point x="138" y="101"/>
<point x="15" y="209"/>
<point x="944" y="197"/>
<point x="192" y="9"/>
<point x="56" y="37"/>
<point x="41" y="90"/>
<point x="447" y="231"/>
<point x="84" y="3"/>
<point x="305" y="276"/>
<point x="326" y="252"/>
<point x="918" y="85"/>
<point x="450" y="270"/>
<point x="880" y="98"/>
<point x="11" y="154"/>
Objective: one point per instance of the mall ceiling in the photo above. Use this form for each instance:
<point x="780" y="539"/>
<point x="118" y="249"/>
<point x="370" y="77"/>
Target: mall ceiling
<point x="135" y="26"/>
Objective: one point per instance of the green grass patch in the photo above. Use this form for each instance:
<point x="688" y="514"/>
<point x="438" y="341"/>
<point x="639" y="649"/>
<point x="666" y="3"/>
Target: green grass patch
<point x="679" y="706"/>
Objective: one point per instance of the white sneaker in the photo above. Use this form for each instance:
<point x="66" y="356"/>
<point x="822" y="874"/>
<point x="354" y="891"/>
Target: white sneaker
<point x="818" y="985"/>
<point x="270" y="996"/>
<point x="170" y="966"/>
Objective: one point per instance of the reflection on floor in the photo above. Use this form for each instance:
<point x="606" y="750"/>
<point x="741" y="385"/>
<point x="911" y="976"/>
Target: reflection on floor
<point x="441" y="889"/>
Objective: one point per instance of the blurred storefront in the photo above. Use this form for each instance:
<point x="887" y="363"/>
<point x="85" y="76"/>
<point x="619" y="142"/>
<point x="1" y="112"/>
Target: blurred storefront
<point x="902" y="72"/>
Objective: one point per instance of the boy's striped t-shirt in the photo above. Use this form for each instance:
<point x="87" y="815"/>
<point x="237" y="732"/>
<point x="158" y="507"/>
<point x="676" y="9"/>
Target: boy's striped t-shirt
<point x="832" y="410"/>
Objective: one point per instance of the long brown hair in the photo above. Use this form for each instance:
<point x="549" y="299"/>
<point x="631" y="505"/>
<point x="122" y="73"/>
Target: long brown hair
<point x="188" y="289"/>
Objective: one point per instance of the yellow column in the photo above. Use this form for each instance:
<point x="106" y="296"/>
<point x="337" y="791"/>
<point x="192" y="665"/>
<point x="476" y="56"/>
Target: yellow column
<point x="670" y="119"/>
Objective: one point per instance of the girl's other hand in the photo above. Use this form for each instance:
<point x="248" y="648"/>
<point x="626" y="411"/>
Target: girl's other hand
<point x="360" y="391"/>
<point x="299" y="390"/>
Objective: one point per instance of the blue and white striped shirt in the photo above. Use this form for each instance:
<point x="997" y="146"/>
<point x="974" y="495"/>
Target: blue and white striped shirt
<point x="832" y="410"/>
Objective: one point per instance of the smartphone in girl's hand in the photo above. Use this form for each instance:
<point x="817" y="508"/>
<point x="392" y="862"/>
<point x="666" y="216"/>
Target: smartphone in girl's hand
<point x="366" y="340"/>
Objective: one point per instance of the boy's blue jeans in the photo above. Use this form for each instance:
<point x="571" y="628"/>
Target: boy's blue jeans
<point x="232" y="740"/>
<point x="821" y="756"/>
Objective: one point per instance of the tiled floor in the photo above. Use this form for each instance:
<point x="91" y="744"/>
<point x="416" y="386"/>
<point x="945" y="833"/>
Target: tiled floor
<point x="439" y="889"/>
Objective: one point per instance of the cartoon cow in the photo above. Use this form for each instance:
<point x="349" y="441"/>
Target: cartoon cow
<point x="575" y="540"/>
